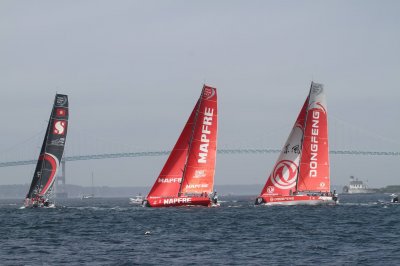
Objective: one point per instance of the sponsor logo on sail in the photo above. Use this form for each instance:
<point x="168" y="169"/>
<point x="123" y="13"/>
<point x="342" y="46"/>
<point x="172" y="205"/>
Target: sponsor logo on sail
<point x="270" y="189"/>
<point x="314" y="143"/>
<point x="316" y="88"/>
<point x="176" y="200"/>
<point x="208" y="93"/>
<point x="61" y="112"/>
<point x="284" y="175"/>
<point x="59" y="127"/>
<point x="169" y="180"/>
<point x="199" y="173"/>
<point x="58" y="142"/>
<point x="205" y="133"/>
<point x="194" y="186"/>
<point x="294" y="149"/>
<point x="61" y="100"/>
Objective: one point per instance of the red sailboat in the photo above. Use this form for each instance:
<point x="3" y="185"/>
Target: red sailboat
<point x="301" y="174"/>
<point x="187" y="177"/>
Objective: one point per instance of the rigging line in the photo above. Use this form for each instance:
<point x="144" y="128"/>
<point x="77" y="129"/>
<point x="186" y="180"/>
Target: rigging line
<point x="302" y="137"/>
<point x="23" y="142"/>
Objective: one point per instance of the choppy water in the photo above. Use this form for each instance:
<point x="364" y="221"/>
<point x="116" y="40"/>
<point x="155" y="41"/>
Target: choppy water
<point x="111" y="232"/>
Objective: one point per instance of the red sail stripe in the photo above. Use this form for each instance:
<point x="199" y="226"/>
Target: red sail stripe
<point x="51" y="162"/>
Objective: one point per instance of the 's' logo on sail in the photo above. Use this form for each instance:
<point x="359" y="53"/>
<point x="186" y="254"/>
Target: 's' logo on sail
<point x="284" y="175"/>
<point x="59" y="127"/>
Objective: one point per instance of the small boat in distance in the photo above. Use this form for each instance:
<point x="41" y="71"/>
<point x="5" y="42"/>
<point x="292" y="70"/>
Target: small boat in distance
<point x="395" y="198"/>
<point x="41" y="192"/>
<point x="301" y="174"/>
<point x="137" y="200"/>
<point x="89" y="196"/>
<point x="187" y="178"/>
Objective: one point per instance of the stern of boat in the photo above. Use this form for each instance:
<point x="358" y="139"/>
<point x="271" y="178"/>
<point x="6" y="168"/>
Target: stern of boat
<point x="259" y="201"/>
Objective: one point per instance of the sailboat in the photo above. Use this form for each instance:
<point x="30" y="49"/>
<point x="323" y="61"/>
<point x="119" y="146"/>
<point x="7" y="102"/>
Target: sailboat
<point x="187" y="177"/>
<point x="41" y="192"/>
<point x="301" y="175"/>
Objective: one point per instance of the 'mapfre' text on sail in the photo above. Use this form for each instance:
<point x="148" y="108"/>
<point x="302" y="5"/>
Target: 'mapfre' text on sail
<point x="205" y="132"/>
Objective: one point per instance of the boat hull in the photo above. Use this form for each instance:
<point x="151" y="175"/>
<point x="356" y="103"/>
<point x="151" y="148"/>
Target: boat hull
<point x="136" y="201"/>
<point x="178" y="202"/>
<point x="296" y="200"/>
<point x="40" y="205"/>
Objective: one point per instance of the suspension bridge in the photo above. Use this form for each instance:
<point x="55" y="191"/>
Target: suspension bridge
<point x="345" y="140"/>
<point x="219" y="151"/>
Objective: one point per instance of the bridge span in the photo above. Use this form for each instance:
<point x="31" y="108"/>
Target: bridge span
<point x="219" y="151"/>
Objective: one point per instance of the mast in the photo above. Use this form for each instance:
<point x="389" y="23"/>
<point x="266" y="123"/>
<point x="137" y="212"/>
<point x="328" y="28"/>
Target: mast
<point x="38" y="183"/>
<point x="302" y="138"/>
<point x="191" y="141"/>
<point x="46" y="138"/>
<point x="92" y="185"/>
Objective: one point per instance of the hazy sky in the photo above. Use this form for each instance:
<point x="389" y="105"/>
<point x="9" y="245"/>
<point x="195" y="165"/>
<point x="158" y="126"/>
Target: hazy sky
<point x="133" y="71"/>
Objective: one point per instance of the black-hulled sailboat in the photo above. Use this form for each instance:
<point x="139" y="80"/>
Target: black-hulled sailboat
<point x="41" y="193"/>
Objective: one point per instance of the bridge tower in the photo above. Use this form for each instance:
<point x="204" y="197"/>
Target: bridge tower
<point x="61" y="190"/>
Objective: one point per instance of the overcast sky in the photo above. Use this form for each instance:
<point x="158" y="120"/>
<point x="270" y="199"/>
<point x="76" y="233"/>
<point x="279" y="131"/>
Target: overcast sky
<point x="133" y="71"/>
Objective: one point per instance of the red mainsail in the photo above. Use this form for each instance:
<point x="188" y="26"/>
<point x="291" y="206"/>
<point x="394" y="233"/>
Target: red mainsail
<point x="191" y="164"/>
<point x="170" y="177"/>
<point x="314" y="162"/>
<point x="200" y="168"/>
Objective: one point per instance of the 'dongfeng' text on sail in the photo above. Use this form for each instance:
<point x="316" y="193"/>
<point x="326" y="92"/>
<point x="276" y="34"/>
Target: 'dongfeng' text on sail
<point x="301" y="174"/>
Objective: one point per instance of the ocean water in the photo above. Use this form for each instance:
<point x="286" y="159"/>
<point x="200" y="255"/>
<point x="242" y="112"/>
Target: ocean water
<point x="358" y="231"/>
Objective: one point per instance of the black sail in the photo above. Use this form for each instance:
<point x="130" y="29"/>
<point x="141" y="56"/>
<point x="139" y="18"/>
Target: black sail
<point x="52" y="149"/>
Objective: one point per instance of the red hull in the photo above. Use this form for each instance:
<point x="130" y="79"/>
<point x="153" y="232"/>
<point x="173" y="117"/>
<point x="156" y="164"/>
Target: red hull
<point x="178" y="202"/>
<point x="296" y="200"/>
